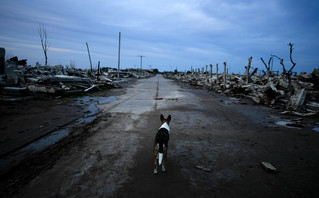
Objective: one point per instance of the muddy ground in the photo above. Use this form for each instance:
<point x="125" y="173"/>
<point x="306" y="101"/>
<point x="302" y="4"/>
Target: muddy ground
<point x="215" y="150"/>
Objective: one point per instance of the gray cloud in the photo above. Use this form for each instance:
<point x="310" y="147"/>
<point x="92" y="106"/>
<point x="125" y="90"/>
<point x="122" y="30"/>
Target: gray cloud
<point x="169" y="33"/>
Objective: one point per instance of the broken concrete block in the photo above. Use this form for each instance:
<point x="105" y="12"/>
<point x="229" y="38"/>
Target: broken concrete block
<point x="313" y="106"/>
<point x="297" y="100"/>
<point x="256" y="100"/>
<point x="272" y="86"/>
<point x="51" y="90"/>
<point x="12" y="77"/>
<point x="283" y="83"/>
<point x="32" y="80"/>
<point x="268" y="167"/>
<point x="35" y="89"/>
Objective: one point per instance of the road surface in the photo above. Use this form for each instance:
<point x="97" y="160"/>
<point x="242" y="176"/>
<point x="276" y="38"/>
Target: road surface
<point x="215" y="150"/>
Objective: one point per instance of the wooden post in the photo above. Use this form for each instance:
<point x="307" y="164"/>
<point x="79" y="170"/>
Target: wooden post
<point x="224" y="75"/>
<point x="211" y="70"/>
<point x="87" y="46"/>
<point x="98" y="71"/>
<point x="98" y="68"/>
<point x="217" y="72"/>
<point x="2" y="59"/>
<point x="248" y="68"/>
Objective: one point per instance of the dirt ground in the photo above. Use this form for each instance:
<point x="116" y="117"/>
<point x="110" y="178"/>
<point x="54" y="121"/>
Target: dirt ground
<point x="215" y="150"/>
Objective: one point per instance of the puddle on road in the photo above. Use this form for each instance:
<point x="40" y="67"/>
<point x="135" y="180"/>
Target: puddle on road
<point x="85" y="120"/>
<point x="56" y="136"/>
<point x="91" y="103"/>
<point x="89" y="117"/>
<point x="285" y="124"/>
<point x="48" y="140"/>
<point x="90" y="111"/>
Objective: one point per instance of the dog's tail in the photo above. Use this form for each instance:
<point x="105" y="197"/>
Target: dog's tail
<point x="160" y="152"/>
<point x="160" y="158"/>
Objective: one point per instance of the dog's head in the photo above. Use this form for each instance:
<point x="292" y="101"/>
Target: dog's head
<point x="167" y="120"/>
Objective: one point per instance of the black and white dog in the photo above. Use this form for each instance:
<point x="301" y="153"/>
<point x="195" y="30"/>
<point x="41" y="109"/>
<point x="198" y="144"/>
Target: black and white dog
<point x="161" y="143"/>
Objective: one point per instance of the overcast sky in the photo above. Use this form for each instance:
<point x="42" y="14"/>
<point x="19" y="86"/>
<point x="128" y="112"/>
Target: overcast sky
<point x="169" y="33"/>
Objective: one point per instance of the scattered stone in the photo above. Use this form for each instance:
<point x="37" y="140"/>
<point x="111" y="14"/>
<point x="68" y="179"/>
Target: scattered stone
<point x="268" y="167"/>
<point x="206" y="169"/>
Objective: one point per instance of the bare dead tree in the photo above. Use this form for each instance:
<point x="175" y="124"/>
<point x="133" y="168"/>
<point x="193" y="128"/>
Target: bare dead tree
<point x="248" y="68"/>
<point x="289" y="72"/>
<point x="249" y="75"/>
<point x="267" y="66"/>
<point x="293" y="63"/>
<point x="44" y="41"/>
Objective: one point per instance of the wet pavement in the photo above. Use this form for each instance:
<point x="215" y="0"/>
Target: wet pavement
<point x="90" y="110"/>
<point x="230" y="138"/>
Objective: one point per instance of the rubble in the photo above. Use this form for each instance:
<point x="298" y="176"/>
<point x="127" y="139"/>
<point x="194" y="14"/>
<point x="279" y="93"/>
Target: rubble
<point x="268" y="89"/>
<point x="20" y="79"/>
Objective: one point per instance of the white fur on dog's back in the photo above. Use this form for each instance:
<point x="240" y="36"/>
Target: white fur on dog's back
<point x="165" y="126"/>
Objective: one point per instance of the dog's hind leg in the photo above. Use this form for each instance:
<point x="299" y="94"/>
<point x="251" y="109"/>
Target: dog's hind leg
<point x="164" y="158"/>
<point x="163" y="166"/>
<point x="155" y="159"/>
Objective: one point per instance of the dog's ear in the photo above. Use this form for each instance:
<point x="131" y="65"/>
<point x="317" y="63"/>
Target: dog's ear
<point x="162" y="118"/>
<point x="168" y="119"/>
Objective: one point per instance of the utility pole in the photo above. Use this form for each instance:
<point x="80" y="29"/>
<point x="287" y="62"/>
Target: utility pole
<point x="141" y="59"/>
<point x="87" y="46"/>
<point x="224" y="75"/>
<point x="118" y="64"/>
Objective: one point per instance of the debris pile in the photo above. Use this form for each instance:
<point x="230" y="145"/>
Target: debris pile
<point x="19" y="79"/>
<point x="299" y="97"/>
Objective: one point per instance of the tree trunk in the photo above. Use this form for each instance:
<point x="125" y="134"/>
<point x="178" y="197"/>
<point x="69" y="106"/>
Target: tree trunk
<point x="46" y="57"/>
<point x="248" y="68"/>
